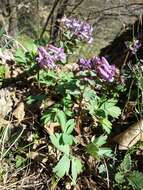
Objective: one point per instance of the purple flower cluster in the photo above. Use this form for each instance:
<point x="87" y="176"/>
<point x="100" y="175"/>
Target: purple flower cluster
<point x="100" y="66"/>
<point x="85" y="64"/>
<point x="133" y="46"/>
<point x="80" y="29"/>
<point x="47" y="57"/>
<point x="105" y="71"/>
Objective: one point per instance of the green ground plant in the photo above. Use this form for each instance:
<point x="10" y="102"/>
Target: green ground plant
<point x="70" y="100"/>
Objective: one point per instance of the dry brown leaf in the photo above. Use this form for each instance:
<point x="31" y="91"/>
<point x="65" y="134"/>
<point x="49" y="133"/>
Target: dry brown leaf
<point x="4" y="123"/>
<point x="131" y="136"/>
<point x="37" y="156"/>
<point x="32" y="155"/>
<point x="15" y="72"/>
<point x="47" y="103"/>
<point x="50" y="128"/>
<point x="19" y="112"/>
<point x="6" y="102"/>
<point x="44" y="160"/>
<point x="70" y="67"/>
<point x="7" y="71"/>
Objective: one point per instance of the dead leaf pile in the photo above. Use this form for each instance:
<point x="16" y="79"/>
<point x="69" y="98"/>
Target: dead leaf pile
<point x="19" y="112"/>
<point x="131" y="136"/>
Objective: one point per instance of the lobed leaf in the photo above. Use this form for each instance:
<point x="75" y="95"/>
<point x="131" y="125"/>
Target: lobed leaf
<point x="62" y="166"/>
<point x="76" y="168"/>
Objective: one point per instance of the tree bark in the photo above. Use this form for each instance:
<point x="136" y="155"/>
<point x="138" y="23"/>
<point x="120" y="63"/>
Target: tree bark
<point x="12" y="29"/>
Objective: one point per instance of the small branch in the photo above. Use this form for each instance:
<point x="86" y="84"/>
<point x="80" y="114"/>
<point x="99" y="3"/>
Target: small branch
<point x="107" y="175"/>
<point x="94" y="12"/>
<point x="75" y="7"/>
<point x="49" y="16"/>
<point x="59" y="15"/>
<point x="78" y="120"/>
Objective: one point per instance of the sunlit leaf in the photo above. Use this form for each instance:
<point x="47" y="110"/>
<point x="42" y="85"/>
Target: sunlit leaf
<point x="67" y="139"/>
<point x="62" y="166"/>
<point x="62" y="120"/>
<point x="100" y="140"/>
<point x="56" y="141"/>
<point x="106" y="124"/>
<point x="76" y="168"/>
<point x="70" y="126"/>
<point x="20" y="161"/>
<point x="110" y="108"/>
<point x="20" y="56"/>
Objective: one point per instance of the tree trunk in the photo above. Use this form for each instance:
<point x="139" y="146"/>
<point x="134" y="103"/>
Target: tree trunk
<point x="12" y="29"/>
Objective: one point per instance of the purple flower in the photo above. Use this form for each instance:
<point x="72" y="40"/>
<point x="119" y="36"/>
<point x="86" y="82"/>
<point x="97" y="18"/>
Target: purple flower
<point x="47" y="57"/>
<point x="81" y="30"/>
<point x="133" y="46"/>
<point x="85" y="32"/>
<point x="58" y="53"/>
<point x="84" y="64"/>
<point x="104" y="70"/>
<point x="100" y="66"/>
<point x="44" y="59"/>
<point x="136" y="46"/>
<point x="96" y="60"/>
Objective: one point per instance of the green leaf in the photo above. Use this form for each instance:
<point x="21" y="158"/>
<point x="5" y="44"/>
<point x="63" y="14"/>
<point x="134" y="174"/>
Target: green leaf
<point x="20" y="56"/>
<point x="114" y="111"/>
<point x="47" y="77"/>
<point x="126" y="163"/>
<point x="92" y="149"/>
<point x="110" y="108"/>
<point x="20" y="161"/>
<point x="105" y="152"/>
<point x="2" y="71"/>
<point x="50" y="115"/>
<point x="56" y="141"/>
<point x="140" y="82"/>
<point x="96" y="150"/>
<point x="89" y="94"/>
<point x="67" y="139"/>
<point x="102" y="169"/>
<point x="62" y="166"/>
<point x="61" y="44"/>
<point x="36" y="98"/>
<point x="98" y="153"/>
<point x="106" y="124"/>
<point x="109" y="103"/>
<point x="101" y="113"/>
<point x="119" y="177"/>
<point x="70" y="126"/>
<point x="2" y="31"/>
<point x="76" y="169"/>
<point x="30" y="45"/>
<point x="136" y="180"/>
<point x="62" y="120"/>
<point x="100" y="140"/>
